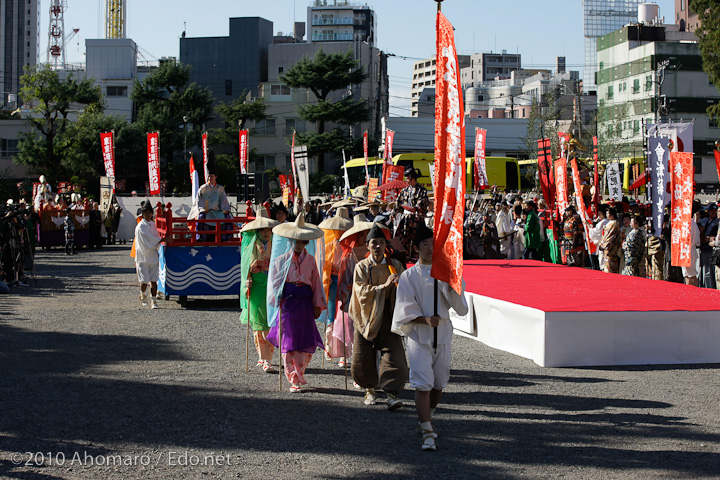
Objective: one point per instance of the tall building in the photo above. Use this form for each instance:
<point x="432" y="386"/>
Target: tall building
<point x="19" y="31"/>
<point x="599" y="18"/>
<point x="485" y="67"/>
<point x="653" y="73"/>
<point x="340" y="21"/>
<point x="685" y="18"/>
<point x="424" y="77"/>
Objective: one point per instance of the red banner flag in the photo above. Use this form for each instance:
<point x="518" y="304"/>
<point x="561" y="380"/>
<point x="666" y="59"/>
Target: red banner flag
<point x="365" y="155"/>
<point x="205" y="156"/>
<point x="561" y="187"/>
<point x="717" y="161"/>
<point x="287" y="187"/>
<point x="108" y="151"/>
<point x="481" y="179"/>
<point x="390" y="138"/>
<point x="394" y="172"/>
<point x="596" y="178"/>
<point x="449" y="200"/>
<point x="153" y="153"/>
<point x="545" y="172"/>
<point x="582" y="208"/>
<point x="243" y="142"/>
<point x="681" y="174"/>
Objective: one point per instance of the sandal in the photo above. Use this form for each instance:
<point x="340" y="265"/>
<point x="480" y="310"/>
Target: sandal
<point x="429" y="440"/>
<point x="267" y="368"/>
<point x="295" y="388"/>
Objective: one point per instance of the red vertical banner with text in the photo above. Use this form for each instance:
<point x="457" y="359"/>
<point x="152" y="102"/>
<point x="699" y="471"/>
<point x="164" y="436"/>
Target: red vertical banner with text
<point x="481" y="178"/>
<point x="561" y="190"/>
<point x="365" y="156"/>
<point x="389" y="139"/>
<point x="108" y="151"/>
<point x="243" y="142"/>
<point x="596" y="177"/>
<point x="450" y="168"/>
<point x="293" y="166"/>
<point x="395" y="172"/>
<point x="153" y="154"/>
<point x="205" y="156"/>
<point x="681" y="170"/>
<point x="582" y="210"/>
<point x="716" y="152"/>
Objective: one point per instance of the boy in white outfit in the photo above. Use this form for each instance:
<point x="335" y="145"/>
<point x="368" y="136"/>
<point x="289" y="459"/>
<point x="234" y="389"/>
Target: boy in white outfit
<point x="147" y="259"/>
<point x="414" y="318"/>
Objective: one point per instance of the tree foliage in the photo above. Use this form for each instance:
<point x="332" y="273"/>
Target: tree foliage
<point x="51" y="100"/>
<point x="323" y="75"/>
<point x="709" y="35"/>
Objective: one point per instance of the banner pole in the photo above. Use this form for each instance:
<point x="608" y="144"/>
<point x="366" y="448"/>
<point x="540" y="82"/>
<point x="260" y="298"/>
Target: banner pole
<point x="435" y="303"/>
<point x="280" y="359"/>
<point x="345" y="350"/>
<point x="247" y="342"/>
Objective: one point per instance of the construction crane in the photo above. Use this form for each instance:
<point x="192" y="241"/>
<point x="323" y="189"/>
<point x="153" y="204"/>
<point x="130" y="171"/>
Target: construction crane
<point x="115" y="18"/>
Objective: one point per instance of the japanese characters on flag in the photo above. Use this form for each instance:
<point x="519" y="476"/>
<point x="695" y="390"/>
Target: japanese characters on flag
<point x="580" y="203"/>
<point x="681" y="171"/>
<point x="596" y="178"/>
<point x="449" y="180"/>
<point x="373" y="189"/>
<point x="365" y="155"/>
<point x="545" y="171"/>
<point x="243" y="142"/>
<point x="294" y="169"/>
<point x="394" y="172"/>
<point x="153" y="153"/>
<point x="194" y="179"/>
<point x="561" y="188"/>
<point x="481" y="180"/>
<point x="108" y="151"/>
<point x="613" y="179"/>
<point x="658" y="153"/>
<point x="206" y="172"/>
<point x="389" y="139"/>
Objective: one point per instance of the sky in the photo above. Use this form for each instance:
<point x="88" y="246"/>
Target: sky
<point x="539" y="30"/>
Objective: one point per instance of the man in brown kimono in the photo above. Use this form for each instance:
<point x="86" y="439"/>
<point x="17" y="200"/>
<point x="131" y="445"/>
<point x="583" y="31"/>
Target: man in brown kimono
<point x="371" y="308"/>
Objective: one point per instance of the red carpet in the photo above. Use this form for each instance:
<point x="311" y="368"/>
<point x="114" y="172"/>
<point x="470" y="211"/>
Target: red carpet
<point x="557" y="288"/>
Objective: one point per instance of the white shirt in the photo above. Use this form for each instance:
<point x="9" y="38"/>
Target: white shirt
<point x="147" y="242"/>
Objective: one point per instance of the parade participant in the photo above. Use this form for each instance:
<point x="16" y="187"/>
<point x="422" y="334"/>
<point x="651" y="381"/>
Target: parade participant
<point x="254" y="266"/>
<point x="708" y="230"/>
<point x="333" y="228"/>
<point x="295" y="296"/>
<point x="371" y="307"/>
<point x="634" y="247"/>
<point x="489" y="238"/>
<point x="414" y="201"/>
<point x="573" y="243"/>
<point x="415" y="317"/>
<point x="43" y="195"/>
<point x="532" y="232"/>
<point x="281" y="213"/>
<point x="211" y="203"/>
<point x="691" y="273"/>
<point x="147" y="259"/>
<point x="595" y="232"/>
<point x="69" y="228"/>
<point x="95" y="226"/>
<point x="505" y="228"/>
<point x="611" y="243"/>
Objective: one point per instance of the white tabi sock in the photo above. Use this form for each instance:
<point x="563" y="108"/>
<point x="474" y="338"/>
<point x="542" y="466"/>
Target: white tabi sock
<point x="426" y="426"/>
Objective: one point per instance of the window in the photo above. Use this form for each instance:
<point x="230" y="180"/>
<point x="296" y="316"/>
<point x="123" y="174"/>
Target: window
<point x="116" y="91"/>
<point x="480" y="98"/>
<point x="265" y="127"/>
<point x="8" y="148"/>
<point x="279" y="90"/>
<point x="648" y="82"/>
<point x="698" y="163"/>
<point x="636" y="85"/>
<point x="713" y="123"/>
<point x="281" y="69"/>
<point x="228" y="87"/>
<point x="636" y="126"/>
<point x="610" y="92"/>
<point x="294" y="124"/>
<point x="682" y="5"/>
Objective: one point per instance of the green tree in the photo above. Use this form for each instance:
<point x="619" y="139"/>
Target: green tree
<point x="709" y="35"/>
<point x="163" y="100"/>
<point x="610" y="121"/>
<point x="51" y="100"/>
<point x="324" y="74"/>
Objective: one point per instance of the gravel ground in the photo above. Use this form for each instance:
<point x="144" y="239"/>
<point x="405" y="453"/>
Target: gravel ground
<point x="94" y="386"/>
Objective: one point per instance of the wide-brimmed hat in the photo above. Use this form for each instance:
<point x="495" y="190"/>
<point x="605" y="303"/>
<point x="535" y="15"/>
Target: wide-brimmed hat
<point x="341" y="221"/>
<point x="261" y="221"/>
<point x="299" y="230"/>
<point x="344" y="203"/>
<point x="360" y="224"/>
<point x="364" y="208"/>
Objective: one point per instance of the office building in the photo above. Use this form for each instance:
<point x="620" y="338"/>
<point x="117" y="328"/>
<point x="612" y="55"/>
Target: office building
<point x="424" y="77"/>
<point x="340" y="21"/>
<point x="19" y="31"/>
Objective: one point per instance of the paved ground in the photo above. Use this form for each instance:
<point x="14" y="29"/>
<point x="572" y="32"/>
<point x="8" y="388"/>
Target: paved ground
<point x="95" y="387"/>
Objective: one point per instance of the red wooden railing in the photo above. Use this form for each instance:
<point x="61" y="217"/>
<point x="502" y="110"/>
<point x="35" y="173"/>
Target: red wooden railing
<point x="184" y="232"/>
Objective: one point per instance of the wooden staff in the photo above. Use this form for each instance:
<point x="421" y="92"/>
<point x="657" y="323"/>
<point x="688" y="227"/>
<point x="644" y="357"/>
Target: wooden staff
<point x="280" y="362"/>
<point x="247" y="340"/>
<point x="345" y="351"/>
<point x="435" y="298"/>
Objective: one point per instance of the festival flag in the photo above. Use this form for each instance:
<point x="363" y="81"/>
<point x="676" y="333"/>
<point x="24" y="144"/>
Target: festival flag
<point x="108" y="151"/>
<point x="206" y="172"/>
<point x="294" y="169"/>
<point x="681" y="172"/>
<point x="389" y="139"/>
<point x="194" y="179"/>
<point x="545" y="171"/>
<point x="582" y="209"/>
<point x="373" y="189"/>
<point x="450" y="169"/>
<point x="365" y="155"/>
<point x="561" y="191"/>
<point x="394" y="172"/>
<point x="346" y="190"/>
<point x="658" y="150"/>
<point x="153" y="154"/>
<point x="716" y="152"/>
<point x="243" y="142"/>
<point x="612" y="172"/>
<point x="596" y="178"/>
<point x="481" y="178"/>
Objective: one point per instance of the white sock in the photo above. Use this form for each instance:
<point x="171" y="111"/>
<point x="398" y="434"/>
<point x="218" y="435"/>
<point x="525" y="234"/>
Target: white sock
<point x="426" y="425"/>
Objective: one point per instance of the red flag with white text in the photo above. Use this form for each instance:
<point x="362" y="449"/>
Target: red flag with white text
<point x="205" y="156"/>
<point x="561" y="187"/>
<point x="243" y="142"/>
<point x="194" y="179"/>
<point x="450" y="169"/>
<point x="481" y="179"/>
<point x="582" y="209"/>
<point x="108" y="150"/>
<point x="153" y="154"/>
<point x="717" y="161"/>
<point x="681" y="174"/>
<point x="365" y="155"/>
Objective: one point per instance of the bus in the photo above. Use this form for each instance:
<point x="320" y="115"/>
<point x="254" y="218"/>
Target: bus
<point x="502" y="171"/>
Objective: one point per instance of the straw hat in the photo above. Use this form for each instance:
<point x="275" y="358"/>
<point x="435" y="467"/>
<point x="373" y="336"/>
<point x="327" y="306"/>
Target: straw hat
<point x="299" y="230"/>
<point x="360" y="224"/>
<point x="343" y="203"/>
<point x="341" y="221"/>
<point x="364" y="208"/>
<point x="261" y="221"/>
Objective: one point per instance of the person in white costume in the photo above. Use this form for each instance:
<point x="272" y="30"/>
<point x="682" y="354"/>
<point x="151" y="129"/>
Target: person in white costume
<point x="414" y="318"/>
<point x="147" y="259"/>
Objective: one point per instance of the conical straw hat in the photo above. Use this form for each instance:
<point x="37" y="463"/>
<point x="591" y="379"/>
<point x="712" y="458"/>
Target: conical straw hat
<point x="344" y="203"/>
<point x="299" y="230"/>
<point x="261" y="221"/>
<point x="360" y="224"/>
<point x="341" y="221"/>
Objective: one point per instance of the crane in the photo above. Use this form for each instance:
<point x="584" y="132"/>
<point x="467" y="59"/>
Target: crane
<point x="115" y="18"/>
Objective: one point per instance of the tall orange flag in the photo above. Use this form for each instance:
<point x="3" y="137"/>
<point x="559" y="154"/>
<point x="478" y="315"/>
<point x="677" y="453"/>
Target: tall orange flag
<point x="449" y="179"/>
